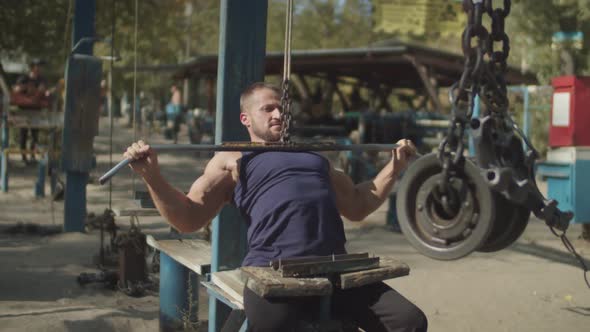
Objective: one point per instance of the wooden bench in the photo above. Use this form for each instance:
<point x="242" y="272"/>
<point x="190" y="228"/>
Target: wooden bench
<point x="179" y="256"/>
<point x="36" y="119"/>
<point x="183" y="262"/>
<point x="228" y="286"/>
<point x="46" y="159"/>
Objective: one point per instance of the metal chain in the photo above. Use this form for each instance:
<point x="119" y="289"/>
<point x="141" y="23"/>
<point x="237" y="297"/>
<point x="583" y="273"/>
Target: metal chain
<point x="480" y="77"/>
<point x="570" y="247"/>
<point x="462" y="93"/>
<point x="286" y="116"/>
<point x="486" y="79"/>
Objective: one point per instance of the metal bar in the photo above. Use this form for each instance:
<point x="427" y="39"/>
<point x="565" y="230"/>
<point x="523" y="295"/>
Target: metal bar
<point x="526" y="116"/>
<point x="240" y="146"/>
<point x="4" y="135"/>
<point x="317" y="269"/>
<point x="276" y="264"/>
<point x="77" y="179"/>
<point x="242" y="46"/>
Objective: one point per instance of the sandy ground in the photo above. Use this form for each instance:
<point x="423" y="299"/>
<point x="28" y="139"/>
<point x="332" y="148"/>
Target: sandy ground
<point x="534" y="285"/>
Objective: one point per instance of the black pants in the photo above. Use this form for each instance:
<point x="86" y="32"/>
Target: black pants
<point x="23" y="138"/>
<point x="374" y="308"/>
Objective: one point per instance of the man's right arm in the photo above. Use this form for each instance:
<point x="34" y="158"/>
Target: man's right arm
<point x="186" y="213"/>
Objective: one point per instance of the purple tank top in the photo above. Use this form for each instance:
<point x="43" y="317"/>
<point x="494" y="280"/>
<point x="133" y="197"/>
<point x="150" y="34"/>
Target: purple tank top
<point x="287" y="201"/>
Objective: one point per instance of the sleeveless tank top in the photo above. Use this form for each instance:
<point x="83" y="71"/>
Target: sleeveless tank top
<point x="287" y="201"/>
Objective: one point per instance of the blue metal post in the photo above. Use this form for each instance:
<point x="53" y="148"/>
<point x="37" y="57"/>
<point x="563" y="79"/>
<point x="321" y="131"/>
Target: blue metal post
<point x="178" y="301"/>
<point x="242" y="42"/>
<point x="526" y="119"/>
<point x="75" y="191"/>
<point x="3" y="156"/>
<point x="4" y="172"/>
<point x="41" y="171"/>
<point x="475" y="115"/>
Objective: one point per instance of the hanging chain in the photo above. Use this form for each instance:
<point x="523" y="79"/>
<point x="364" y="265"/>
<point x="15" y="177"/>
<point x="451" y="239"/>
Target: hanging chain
<point x="286" y="116"/>
<point x="476" y="44"/>
<point x="484" y="77"/>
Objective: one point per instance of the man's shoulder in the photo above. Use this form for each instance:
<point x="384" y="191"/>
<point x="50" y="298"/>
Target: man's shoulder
<point x="225" y="159"/>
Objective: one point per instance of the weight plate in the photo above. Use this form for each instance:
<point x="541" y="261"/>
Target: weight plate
<point x="434" y="231"/>
<point x="511" y="221"/>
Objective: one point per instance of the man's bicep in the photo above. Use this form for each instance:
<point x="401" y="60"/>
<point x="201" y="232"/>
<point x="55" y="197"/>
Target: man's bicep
<point x="344" y="190"/>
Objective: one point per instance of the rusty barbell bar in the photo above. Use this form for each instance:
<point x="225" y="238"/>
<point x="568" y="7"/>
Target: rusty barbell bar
<point x="255" y="147"/>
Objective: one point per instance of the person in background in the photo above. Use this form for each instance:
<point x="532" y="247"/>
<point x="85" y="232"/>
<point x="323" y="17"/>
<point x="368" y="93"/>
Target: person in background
<point x="30" y="92"/>
<point x="174" y="113"/>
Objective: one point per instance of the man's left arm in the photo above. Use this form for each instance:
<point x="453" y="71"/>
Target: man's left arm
<point x="356" y="202"/>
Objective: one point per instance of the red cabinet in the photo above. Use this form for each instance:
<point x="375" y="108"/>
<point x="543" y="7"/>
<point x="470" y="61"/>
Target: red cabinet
<point x="570" y="112"/>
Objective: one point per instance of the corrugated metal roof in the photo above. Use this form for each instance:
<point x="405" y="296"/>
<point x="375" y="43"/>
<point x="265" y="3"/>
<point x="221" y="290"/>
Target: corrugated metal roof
<point x="393" y="65"/>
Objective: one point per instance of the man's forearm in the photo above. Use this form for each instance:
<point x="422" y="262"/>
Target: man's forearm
<point x="181" y="212"/>
<point x="374" y="192"/>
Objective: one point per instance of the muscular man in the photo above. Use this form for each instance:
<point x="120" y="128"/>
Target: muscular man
<point x="292" y="203"/>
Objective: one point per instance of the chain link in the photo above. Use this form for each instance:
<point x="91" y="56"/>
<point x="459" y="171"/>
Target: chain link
<point x="286" y="116"/>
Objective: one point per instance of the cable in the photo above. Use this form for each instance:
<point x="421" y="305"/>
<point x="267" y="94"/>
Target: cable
<point x="66" y="49"/>
<point x="133" y="111"/>
<point x="110" y="99"/>
<point x="287" y="51"/>
<point x="570" y="247"/>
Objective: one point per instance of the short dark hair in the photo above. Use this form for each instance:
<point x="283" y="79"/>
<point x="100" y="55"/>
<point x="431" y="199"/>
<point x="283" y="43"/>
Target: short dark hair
<point x="252" y="88"/>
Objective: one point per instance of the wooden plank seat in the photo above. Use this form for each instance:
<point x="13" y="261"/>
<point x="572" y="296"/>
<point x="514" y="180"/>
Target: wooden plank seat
<point x="14" y="150"/>
<point x="195" y="254"/>
<point x="228" y="286"/>
<point x="39" y="119"/>
<point x="135" y="212"/>
<point x="267" y="282"/>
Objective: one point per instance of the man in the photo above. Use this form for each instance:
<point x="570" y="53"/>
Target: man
<point x="292" y="204"/>
<point x="174" y="113"/>
<point x="30" y="92"/>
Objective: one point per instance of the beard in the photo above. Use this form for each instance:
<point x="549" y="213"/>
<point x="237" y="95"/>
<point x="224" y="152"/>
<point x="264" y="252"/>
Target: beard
<point x="266" y="133"/>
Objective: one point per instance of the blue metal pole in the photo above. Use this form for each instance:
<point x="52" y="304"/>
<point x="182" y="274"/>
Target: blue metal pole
<point x="178" y="301"/>
<point x="475" y="115"/>
<point x="41" y="170"/>
<point x="3" y="156"/>
<point x="75" y="191"/>
<point x="242" y="42"/>
<point x="526" y="116"/>
<point x="4" y="172"/>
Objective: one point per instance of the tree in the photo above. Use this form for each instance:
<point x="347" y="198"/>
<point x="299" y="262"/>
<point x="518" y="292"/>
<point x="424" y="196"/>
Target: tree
<point x="37" y="28"/>
<point x="321" y="24"/>
<point x="531" y="26"/>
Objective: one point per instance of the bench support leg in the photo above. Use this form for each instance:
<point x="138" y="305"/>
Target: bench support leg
<point x="179" y="295"/>
<point x="75" y="201"/>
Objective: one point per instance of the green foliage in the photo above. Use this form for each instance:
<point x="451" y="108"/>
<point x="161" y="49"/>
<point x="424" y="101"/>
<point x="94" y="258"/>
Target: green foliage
<point x="37" y="28"/>
<point x="321" y="24"/>
<point x="163" y="33"/>
<point x="531" y="26"/>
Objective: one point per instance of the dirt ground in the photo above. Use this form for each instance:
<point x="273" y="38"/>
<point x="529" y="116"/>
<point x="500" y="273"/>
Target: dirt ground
<point x="534" y="285"/>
